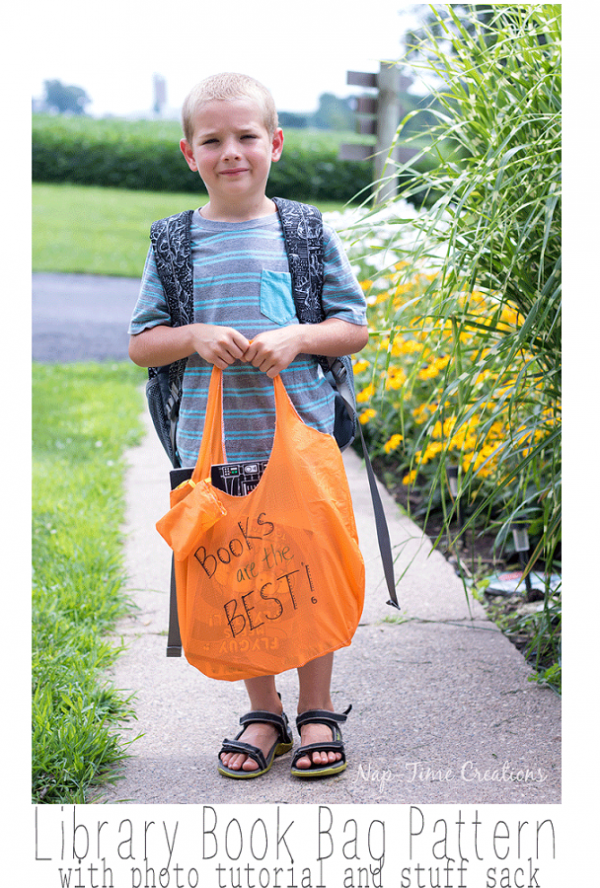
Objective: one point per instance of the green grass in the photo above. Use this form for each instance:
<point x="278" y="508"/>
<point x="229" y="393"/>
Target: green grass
<point x="84" y="416"/>
<point x="80" y="229"/>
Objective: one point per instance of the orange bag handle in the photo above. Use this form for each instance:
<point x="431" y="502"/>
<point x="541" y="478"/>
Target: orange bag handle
<point x="212" y="447"/>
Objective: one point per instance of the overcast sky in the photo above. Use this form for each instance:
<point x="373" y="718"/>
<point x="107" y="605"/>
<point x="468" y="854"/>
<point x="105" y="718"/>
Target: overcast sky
<point x="298" y="49"/>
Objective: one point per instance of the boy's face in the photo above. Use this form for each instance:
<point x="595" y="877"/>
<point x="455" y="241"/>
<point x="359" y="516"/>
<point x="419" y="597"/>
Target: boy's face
<point x="232" y="150"/>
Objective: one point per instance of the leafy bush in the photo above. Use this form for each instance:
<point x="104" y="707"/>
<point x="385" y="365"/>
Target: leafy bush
<point x="145" y="155"/>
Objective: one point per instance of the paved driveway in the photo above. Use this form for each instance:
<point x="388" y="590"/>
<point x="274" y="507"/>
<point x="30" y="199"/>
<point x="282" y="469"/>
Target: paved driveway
<point x="81" y="317"/>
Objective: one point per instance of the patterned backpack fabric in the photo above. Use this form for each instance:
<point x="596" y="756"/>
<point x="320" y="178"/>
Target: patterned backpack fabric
<point x="302" y="227"/>
<point x="170" y="240"/>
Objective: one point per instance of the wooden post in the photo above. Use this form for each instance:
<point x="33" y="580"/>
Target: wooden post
<point x="379" y="116"/>
<point x="366" y="105"/>
<point x="388" y="118"/>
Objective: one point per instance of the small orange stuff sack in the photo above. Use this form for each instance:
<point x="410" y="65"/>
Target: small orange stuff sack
<point x="268" y="581"/>
<point x="193" y="511"/>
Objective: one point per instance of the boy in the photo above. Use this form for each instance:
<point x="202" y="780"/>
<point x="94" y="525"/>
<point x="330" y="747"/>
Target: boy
<point x="245" y="322"/>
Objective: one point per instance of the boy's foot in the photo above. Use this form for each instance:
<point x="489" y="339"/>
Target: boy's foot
<point x="316" y="733"/>
<point x="258" y="734"/>
<point x="321" y="753"/>
<point x="264" y="735"/>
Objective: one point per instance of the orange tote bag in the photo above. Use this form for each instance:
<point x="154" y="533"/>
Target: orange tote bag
<point x="270" y="580"/>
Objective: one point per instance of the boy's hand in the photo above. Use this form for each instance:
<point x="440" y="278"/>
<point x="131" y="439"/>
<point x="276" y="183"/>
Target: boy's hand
<point x="163" y="345"/>
<point x="274" y="350"/>
<point x="220" y="346"/>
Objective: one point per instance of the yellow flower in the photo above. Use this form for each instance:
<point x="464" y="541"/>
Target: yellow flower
<point x="367" y="415"/>
<point x="393" y="443"/>
<point x="396" y="378"/>
<point x="366" y="394"/>
<point x="422" y="413"/>
<point x="408" y="479"/>
<point x="551" y="415"/>
<point x="478" y="458"/>
<point x="525" y="438"/>
<point x="445" y="430"/>
<point x="431" y="451"/>
<point x="478" y="298"/>
<point x="401" y="289"/>
<point x="428" y="372"/>
<point x="463" y="439"/>
<point x="433" y="368"/>
<point x="360" y="366"/>
<point x="407" y="347"/>
<point x="366" y="285"/>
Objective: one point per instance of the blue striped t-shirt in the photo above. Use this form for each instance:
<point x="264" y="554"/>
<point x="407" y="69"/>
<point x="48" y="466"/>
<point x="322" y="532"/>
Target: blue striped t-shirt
<point x="242" y="280"/>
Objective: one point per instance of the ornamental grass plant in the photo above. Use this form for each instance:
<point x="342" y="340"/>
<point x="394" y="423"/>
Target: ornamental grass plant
<point x="463" y="368"/>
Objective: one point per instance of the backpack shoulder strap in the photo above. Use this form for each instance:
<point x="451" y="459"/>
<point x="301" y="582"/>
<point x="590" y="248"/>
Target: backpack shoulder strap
<point x="170" y="240"/>
<point x="171" y="243"/>
<point x="302" y="226"/>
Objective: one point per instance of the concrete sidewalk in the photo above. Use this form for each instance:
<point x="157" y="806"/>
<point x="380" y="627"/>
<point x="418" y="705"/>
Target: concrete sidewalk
<point x="443" y="712"/>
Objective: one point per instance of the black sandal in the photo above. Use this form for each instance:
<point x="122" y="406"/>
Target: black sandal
<point x="282" y="745"/>
<point x="332" y="720"/>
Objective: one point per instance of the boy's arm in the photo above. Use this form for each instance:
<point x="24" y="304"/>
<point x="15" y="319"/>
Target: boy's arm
<point x="161" y="345"/>
<point x="275" y="350"/>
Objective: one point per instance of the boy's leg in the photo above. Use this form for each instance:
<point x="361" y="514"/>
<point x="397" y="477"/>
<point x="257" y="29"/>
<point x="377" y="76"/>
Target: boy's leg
<point x="263" y="695"/>
<point x="314" y="693"/>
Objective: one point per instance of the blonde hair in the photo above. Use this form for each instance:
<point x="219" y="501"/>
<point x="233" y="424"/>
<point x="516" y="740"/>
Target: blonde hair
<point x="223" y="88"/>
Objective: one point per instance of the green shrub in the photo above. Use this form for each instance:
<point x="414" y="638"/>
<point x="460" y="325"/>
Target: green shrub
<point x="145" y="155"/>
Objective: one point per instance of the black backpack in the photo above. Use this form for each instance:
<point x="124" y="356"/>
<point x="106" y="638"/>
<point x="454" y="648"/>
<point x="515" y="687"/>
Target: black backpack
<point x="302" y="226"/>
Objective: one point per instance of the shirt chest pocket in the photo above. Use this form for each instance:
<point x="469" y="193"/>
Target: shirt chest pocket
<point x="276" y="301"/>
